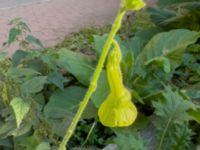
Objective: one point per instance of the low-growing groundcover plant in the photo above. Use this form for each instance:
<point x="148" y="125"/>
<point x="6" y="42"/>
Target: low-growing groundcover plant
<point x="158" y="76"/>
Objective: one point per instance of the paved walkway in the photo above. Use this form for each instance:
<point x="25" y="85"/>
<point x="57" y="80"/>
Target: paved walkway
<point x="52" y="20"/>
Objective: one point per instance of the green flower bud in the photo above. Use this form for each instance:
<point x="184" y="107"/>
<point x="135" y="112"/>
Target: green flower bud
<point x="133" y="5"/>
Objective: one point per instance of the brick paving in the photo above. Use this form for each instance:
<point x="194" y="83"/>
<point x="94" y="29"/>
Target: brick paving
<point x="52" y="20"/>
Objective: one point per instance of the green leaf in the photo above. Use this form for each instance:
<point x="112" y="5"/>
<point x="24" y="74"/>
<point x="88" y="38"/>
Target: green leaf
<point x="141" y="38"/>
<point x="64" y="101"/>
<point x="81" y="66"/>
<point x="170" y="44"/>
<point x="17" y="57"/>
<point x="33" y="40"/>
<point x="61" y="108"/>
<point x="49" y="59"/>
<point x="6" y="143"/>
<point x="182" y="137"/>
<point x="20" y="108"/>
<point x="22" y="72"/>
<point x="193" y="91"/>
<point x="130" y="141"/>
<point x="162" y="62"/>
<point x="170" y="113"/>
<point x="57" y="79"/>
<point x="102" y="90"/>
<point x="160" y="16"/>
<point x="195" y="114"/>
<point x="34" y="85"/>
<point x="99" y="42"/>
<point x="13" y="33"/>
<point x="43" y="146"/>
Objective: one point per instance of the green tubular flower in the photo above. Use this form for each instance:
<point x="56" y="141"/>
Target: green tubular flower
<point x="117" y="110"/>
<point x="132" y="4"/>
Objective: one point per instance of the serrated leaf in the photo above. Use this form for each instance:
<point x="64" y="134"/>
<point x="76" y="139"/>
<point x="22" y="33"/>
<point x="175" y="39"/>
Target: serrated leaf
<point x="34" y="85"/>
<point x="130" y="141"/>
<point x="160" y="16"/>
<point x="20" y="108"/>
<point x="13" y="33"/>
<point x="170" y="113"/>
<point x="17" y="57"/>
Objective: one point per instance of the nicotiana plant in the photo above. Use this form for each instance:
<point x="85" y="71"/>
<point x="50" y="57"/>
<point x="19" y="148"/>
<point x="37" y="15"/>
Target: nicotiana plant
<point x="138" y="91"/>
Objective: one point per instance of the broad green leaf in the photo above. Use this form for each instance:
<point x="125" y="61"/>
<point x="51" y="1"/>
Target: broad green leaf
<point x="50" y="59"/>
<point x="43" y="146"/>
<point x="141" y="38"/>
<point x="20" y="108"/>
<point x="195" y="114"/>
<point x="64" y="101"/>
<point x="81" y="66"/>
<point x="17" y="57"/>
<point x="102" y="90"/>
<point x="162" y="62"/>
<point x="170" y="44"/>
<point x="30" y="142"/>
<point x="13" y="33"/>
<point x="24" y="128"/>
<point x="6" y="128"/>
<point x="33" y="40"/>
<point x="193" y="91"/>
<point x="62" y="106"/>
<point x="22" y="72"/>
<point x="57" y="79"/>
<point x="6" y="143"/>
<point x="34" y="85"/>
<point x="99" y="42"/>
<point x="90" y="111"/>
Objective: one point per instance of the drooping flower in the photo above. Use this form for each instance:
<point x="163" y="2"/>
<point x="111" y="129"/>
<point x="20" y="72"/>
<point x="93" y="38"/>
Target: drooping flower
<point x="117" y="110"/>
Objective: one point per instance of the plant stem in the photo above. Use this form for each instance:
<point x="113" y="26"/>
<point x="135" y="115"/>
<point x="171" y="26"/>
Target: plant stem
<point x="93" y="84"/>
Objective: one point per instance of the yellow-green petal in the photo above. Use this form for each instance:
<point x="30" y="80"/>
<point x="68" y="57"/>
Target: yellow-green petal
<point x="117" y="111"/>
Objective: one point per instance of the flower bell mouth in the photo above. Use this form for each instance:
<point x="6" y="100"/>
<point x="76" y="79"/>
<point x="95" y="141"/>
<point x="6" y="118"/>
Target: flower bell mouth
<point x="117" y="110"/>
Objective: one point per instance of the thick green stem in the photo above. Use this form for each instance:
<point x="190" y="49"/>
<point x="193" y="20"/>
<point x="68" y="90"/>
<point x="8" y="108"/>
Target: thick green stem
<point x="93" y="83"/>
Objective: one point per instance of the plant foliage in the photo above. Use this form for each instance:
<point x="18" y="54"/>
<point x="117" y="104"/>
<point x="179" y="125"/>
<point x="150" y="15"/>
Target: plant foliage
<point x="41" y="88"/>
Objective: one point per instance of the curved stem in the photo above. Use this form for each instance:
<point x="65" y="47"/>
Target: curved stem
<point x="93" y="83"/>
